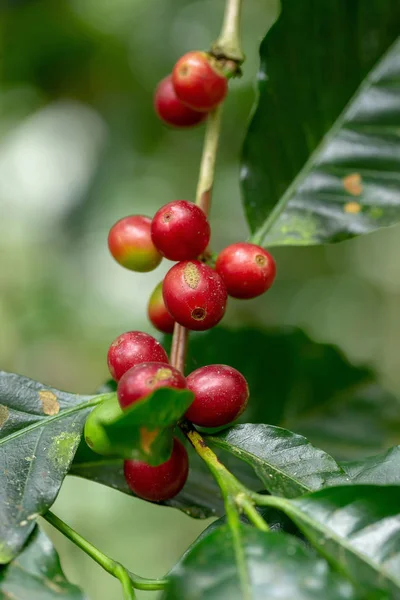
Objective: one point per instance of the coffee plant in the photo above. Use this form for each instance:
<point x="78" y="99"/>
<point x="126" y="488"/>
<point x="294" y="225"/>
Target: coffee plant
<point x="320" y="164"/>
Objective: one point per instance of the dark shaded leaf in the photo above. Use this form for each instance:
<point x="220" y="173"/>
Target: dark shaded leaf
<point x="312" y="173"/>
<point x="356" y="424"/>
<point x="36" y="574"/>
<point x="358" y="529"/>
<point x="40" y="429"/>
<point x="265" y="565"/>
<point x="306" y="387"/>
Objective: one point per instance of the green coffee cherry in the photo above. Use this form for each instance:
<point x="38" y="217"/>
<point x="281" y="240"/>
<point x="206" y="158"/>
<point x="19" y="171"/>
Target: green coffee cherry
<point x="95" y="433"/>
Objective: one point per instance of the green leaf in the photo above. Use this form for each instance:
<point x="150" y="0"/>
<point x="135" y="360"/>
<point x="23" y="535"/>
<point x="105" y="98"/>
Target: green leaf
<point x="286" y="463"/>
<point x="36" y="574"/>
<point x="357" y="529"/>
<point x="306" y="387"/>
<point x="267" y="565"/>
<point x="382" y="469"/>
<point x="142" y="432"/>
<point x="40" y="429"/>
<point x="321" y="157"/>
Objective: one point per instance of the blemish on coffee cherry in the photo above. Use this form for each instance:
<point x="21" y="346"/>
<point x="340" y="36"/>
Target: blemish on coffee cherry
<point x="260" y="260"/>
<point x="199" y="314"/>
<point x="191" y="275"/>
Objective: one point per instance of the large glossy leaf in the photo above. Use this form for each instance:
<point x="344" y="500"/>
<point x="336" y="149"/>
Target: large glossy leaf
<point x="382" y="469"/>
<point x="322" y="155"/>
<point x="40" y="429"/>
<point x="286" y="463"/>
<point x="306" y="387"/>
<point x="254" y="566"/>
<point x="145" y="430"/>
<point x="36" y="574"/>
<point x="358" y="529"/>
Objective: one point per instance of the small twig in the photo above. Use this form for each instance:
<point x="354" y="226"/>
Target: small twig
<point x="228" y="49"/>
<point x="228" y="44"/>
<point x="128" y="580"/>
<point x="203" y="200"/>
<point x="208" y="160"/>
<point x="179" y="347"/>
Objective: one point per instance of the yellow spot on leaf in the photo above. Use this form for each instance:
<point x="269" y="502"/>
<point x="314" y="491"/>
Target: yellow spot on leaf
<point x="49" y="402"/>
<point x="147" y="438"/>
<point x="62" y="448"/>
<point x="352" y="208"/>
<point x="353" y="184"/>
<point x="3" y="414"/>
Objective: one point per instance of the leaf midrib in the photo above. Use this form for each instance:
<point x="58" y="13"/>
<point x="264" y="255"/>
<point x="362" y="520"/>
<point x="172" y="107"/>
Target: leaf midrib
<point x="240" y="561"/>
<point x="249" y="458"/>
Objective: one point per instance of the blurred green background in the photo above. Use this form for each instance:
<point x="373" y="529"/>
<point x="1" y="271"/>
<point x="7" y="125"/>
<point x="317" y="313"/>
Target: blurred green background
<point x="80" y="147"/>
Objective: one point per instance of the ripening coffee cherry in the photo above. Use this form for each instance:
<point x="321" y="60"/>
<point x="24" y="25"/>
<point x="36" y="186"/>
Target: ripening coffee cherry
<point x="158" y="483"/>
<point x="246" y="269"/>
<point x="180" y="230"/>
<point x="142" y="380"/>
<point x="157" y="311"/>
<point x="220" y="395"/>
<point x="171" y="110"/>
<point x="95" y="433"/>
<point x="199" y="81"/>
<point x="130" y="244"/>
<point x="195" y="295"/>
<point x="131" y="349"/>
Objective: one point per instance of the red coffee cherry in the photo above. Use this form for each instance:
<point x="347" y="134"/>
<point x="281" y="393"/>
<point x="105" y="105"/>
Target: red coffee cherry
<point x="247" y="270"/>
<point x="131" y="349"/>
<point x="180" y="230"/>
<point x="130" y="244"/>
<point x="199" y="81"/>
<point x="195" y="295"/>
<point x="157" y="484"/>
<point x="157" y="311"/>
<point x="221" y="395"/>
<point x="142" y="380"/>
<point x="171" y="110"/>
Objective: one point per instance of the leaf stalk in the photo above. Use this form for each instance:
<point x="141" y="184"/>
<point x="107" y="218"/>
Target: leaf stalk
<point x="128" y="580"/>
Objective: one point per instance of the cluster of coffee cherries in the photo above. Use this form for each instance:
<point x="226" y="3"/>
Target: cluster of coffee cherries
<point x="140" y="365"/>
<point x="193" y="293"/>
<point x="196" y="85"/>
